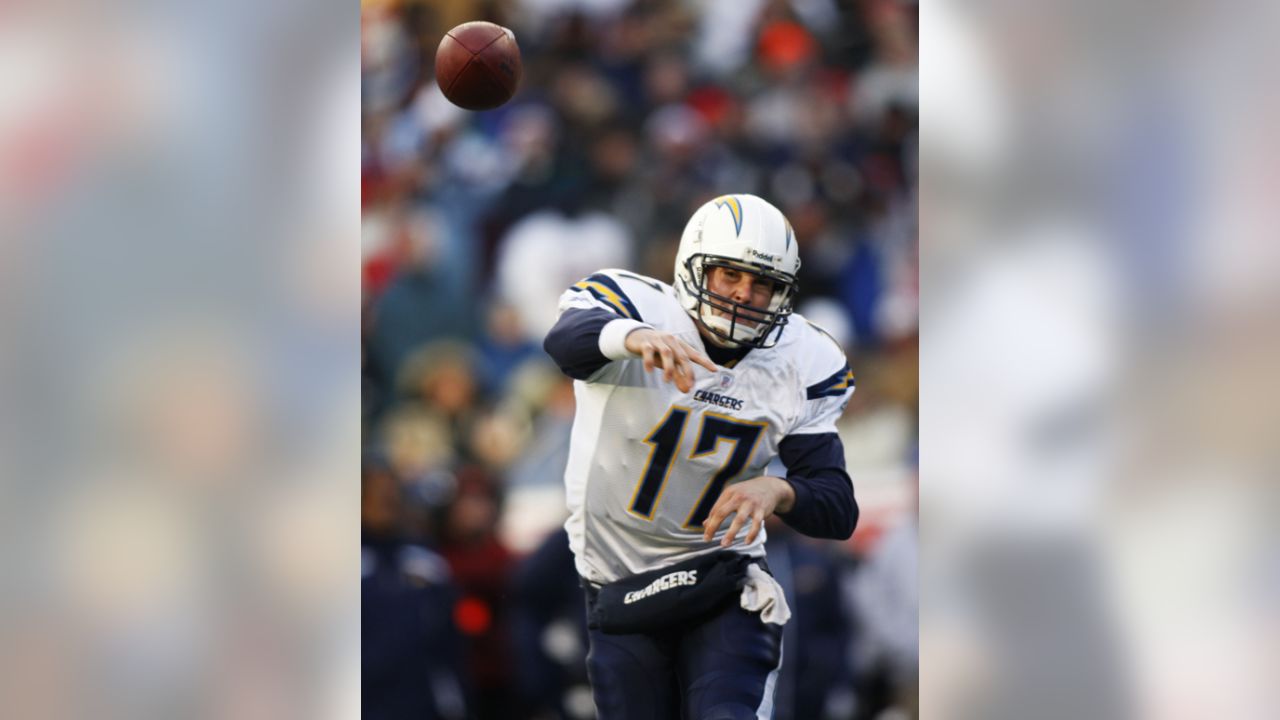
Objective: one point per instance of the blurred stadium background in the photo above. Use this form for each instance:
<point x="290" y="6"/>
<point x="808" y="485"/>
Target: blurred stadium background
<point x="179" y="394"/>
<point x="631" y="114"/>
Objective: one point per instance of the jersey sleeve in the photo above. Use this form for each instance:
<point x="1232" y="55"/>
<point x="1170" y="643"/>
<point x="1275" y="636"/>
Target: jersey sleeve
<point x="824" y="506"/>
<point x="828" y="385"/>
<point x="595" y="316"/>
<point x="812" y="452"/>
<point x="574" y="341"/>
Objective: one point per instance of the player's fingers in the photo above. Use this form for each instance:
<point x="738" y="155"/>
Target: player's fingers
<point x="739" y="519"/>
<point x="684" y="383"/>
<point x="668" y="364"/>
<point x="686" y="363"/>
<point x="680" y="358"/>
<point x="647" y="353"/>
<point x="709" y="527"/>
<point x="720" y="511"/>
<point x="757" y="524"/>
<point x="713" y="522"/>
<point x="696" y="356"/>
<point x="683" y="369"/>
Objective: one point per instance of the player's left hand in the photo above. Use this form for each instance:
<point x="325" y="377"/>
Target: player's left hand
<point x="753" y="500"/>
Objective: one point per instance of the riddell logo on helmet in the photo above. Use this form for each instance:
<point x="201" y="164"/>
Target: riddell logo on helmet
<point x="763" y="256"/>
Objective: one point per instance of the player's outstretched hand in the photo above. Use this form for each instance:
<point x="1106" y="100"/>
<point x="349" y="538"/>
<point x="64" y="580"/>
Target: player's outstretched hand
<point x="751" y="500"/>
<point x="670" y="354"/>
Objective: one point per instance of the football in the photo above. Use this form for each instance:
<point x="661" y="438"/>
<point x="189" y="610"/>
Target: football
<point x="478" y="65"/>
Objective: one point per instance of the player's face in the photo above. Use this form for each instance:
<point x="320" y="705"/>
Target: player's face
<point x="742" y="287"/>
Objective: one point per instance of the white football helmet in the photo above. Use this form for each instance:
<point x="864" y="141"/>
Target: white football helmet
<point x="746" y="233"/>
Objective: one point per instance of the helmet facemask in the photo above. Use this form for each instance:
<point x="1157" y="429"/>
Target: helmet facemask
<point x="735" y="324"/>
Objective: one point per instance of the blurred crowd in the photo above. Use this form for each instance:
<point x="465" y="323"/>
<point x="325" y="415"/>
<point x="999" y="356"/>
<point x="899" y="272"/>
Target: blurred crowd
<point x="630" y="115"/>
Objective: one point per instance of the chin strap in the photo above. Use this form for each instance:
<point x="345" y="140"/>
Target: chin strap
<point x="719" y="338"/>
<point x="715" y="339"/>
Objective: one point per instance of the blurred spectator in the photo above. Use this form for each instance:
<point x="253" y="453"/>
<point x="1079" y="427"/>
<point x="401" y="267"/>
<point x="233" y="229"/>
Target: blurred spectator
<point x="429" y="423"/>
<point x="886" y="598"/>
<point x="878" y="430"/>
<point x="549" y="251"/>
<point x="817" y="680"/>
<point x="503" y="348"/>
<point x="410" y="655"/>
<point x="551" y="633"/>
<point x="482" y="567"/>
<point x="422" y="301"/>
<point x="535" y="494"/>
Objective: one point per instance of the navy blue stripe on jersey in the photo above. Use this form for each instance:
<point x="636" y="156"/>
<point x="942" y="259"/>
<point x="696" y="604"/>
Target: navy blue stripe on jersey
<point x="612" y="285"/>
<point x="834" y="386"/>
<point x="604" y="295"/>
<point x="574" y="341"/>
<point x="824" y="507"/>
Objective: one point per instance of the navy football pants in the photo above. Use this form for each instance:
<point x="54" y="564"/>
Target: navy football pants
<point x="722" y="668"/>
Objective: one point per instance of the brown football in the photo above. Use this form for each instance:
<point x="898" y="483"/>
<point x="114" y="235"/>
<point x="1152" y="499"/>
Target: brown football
<point x="478" y="65"/>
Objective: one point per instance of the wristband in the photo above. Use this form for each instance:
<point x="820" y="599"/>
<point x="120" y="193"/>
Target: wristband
<point x="613" y="338"/>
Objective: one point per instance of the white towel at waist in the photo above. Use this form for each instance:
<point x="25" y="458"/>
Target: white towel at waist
<point x="764" y="595"/>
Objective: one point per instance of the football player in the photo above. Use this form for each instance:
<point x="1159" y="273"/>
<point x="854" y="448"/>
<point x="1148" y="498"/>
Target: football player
<point x="685" y="394"/>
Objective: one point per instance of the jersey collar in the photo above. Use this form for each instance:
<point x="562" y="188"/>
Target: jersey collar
<point x="726" y="357"/>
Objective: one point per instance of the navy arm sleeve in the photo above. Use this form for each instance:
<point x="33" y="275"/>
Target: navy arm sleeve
<point x="824" y="506"/>
<point x="574" y="341"/>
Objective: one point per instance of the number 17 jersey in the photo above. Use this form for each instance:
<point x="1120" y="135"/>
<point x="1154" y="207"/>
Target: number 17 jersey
<point x="647" y="461"/>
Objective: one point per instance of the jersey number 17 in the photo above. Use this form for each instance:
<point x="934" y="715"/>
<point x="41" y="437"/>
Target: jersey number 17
<point x="665" y="439"/>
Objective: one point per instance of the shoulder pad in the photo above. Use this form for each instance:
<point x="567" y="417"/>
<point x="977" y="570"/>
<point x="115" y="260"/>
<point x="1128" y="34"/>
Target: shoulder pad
<point x="823" y="364"/>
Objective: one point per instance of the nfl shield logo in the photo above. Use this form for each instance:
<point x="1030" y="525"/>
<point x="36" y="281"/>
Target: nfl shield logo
<point x="725" y="380"/>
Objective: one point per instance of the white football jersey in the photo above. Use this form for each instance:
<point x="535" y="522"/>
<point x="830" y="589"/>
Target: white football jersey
<point x="647" y="462"/>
